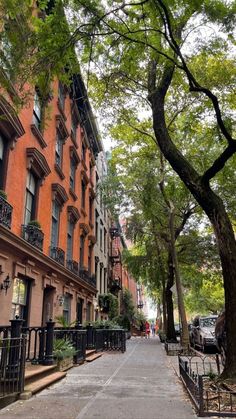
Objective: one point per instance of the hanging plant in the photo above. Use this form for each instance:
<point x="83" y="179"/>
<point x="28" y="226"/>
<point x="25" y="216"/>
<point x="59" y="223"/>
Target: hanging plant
<point x="3" y="194"/>
<point x="34" y="223"/>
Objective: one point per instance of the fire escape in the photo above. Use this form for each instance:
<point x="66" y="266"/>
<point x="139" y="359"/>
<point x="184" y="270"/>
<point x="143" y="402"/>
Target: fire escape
<point x="115" y="276"/>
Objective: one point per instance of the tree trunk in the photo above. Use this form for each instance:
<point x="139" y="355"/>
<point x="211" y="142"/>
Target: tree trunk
<point x="170" y="332"/>
<point x="213" y="207"/>
<point x="182" y="313"/>
<point x="164" y="307"/>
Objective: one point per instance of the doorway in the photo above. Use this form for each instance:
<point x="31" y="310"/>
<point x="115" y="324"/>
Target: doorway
<point x="80" y="310"/>
<point x="47" y="304"/>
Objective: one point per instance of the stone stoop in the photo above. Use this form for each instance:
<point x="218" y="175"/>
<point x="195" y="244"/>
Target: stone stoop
<point x="38" y="377"/>
<point x="91" y="355"/>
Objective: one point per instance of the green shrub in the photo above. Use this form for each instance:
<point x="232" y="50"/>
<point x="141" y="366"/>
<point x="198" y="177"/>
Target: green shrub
<point x="104" y="324"/>
<point x="34" y="223"/>
<point x="109" y="304"/>
<point x="63" y="349"/>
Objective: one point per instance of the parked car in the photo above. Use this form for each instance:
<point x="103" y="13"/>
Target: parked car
<point x="202" y="333"/>
<point x="177" y="329"/>
<point x="220" y="336"/>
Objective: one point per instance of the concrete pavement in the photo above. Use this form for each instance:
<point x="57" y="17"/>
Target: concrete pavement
<point x="140" y="384"/>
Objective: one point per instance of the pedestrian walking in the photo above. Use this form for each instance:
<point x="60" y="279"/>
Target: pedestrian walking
<point x="142" y="328"/>
<point x="147" y="330"/>
<point x="153" y="328"/>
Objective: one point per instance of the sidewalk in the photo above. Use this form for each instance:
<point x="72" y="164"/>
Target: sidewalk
<point x="140" y="384"/>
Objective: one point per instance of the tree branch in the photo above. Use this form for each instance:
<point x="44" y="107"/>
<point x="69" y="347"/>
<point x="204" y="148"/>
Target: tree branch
<point x="219" y="163"/>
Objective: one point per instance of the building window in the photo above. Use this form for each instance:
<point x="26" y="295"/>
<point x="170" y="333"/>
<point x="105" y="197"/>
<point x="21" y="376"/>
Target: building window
<point x="105" y="276"/>
<point x="67" y="308"/>
<point x="73" y="166"/>
<point x="55" y="223"/>
<point x="88" y="311"/>
<point x="74" y="125"/>
<point x="96" y="270"/>
<point x="105" y="241"/>
<point x="100" y="279"/>
<point x="90" y="252"/>
<point x="61" y="96"/>
<point x="59" y="148"/>
<point x="83" y="193"/>
<point x="30" y="199"/>
<point x="37" y="111"/>
<point x="96" y="225"/>
<point x="70" y="236"/>
<point x="19" y="298"/>
<point x="81" y="253"/>
<point x="3" y="149"/>
<point x="90" y="209"/>
<point x="83" y="152"/>
<point x="101" y="234"/>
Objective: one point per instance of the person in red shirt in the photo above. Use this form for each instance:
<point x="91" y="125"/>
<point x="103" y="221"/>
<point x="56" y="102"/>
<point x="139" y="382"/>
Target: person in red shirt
<point x="147" y="330"/>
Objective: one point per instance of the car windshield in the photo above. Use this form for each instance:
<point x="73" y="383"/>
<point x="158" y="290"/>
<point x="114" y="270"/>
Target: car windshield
<point x="209" y="322"/>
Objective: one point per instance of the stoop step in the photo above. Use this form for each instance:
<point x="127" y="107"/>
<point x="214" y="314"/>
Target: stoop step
<point x="35" y="371"/>
<point x="93" y="357"/>
<point x="44" y="382"/>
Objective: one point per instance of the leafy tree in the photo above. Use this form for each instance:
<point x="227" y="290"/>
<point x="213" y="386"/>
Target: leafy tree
<point x="147" y="58"/>
<point x="141" y="60"/>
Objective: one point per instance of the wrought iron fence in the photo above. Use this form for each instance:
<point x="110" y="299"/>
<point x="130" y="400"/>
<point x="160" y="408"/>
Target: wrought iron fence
<point x="99" y="340"/>
<point x="5" y="213"/>
<point x="77" y="338"/>
<point x="12" y="365"/>
<point x="58" y="255"/>
<point x="114" y="340"/>
<point x="208" y="398"/>
<point x="35" y="343"/>
<point x="5" y="332"/>
<point x="33" y="235"/>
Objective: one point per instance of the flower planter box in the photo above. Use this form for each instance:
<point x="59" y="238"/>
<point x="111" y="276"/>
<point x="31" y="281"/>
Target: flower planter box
<point x="65" y="364"/>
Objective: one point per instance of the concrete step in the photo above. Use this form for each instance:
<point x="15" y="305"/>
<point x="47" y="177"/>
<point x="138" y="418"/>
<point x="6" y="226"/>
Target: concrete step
<point x="44" y="382"/>
<point x="33" y="372"/>
<point x="90" y="352"/>
<point x="93" y="357"/>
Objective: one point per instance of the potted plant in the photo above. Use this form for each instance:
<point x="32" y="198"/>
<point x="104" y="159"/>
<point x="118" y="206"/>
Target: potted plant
<point x="63" y="353"/>
<point x="3" y="194"/>
<point x="35" y="223"/>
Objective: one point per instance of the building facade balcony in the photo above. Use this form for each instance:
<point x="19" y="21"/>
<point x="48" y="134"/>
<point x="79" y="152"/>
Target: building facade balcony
<point x="33" y="235"/>
<point x="5" y="213"/>
<point x="90" y="279"/>
<point x="58" y="255"/>
<point x="73" y="266"/>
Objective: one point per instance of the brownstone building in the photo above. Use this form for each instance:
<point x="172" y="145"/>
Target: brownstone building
<point x="47" y="158"/>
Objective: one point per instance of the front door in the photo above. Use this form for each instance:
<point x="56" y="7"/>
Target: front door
<point x="80" y="311"/>
<point x="47" y="304"/>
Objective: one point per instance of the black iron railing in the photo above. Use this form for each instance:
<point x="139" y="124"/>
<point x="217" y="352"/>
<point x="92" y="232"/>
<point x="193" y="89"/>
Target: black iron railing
<point x="99" y="339"/>
<point x="5" y="213"/>
<point x="35" y="344"/>
<point x="5" y="332"/>
<point x="73" y="266"/>
<point x="12" y="365"/>
<point x="77" y="337"/>
<point x="58" y="255"/>
<point x="90" y="279"/>
<point x="209" y="399"/>
<point x="114" y="340"/>
<point x="33" y="235"/>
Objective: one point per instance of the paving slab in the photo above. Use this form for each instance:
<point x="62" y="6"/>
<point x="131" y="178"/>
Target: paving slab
<point x="139" y="384"/>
